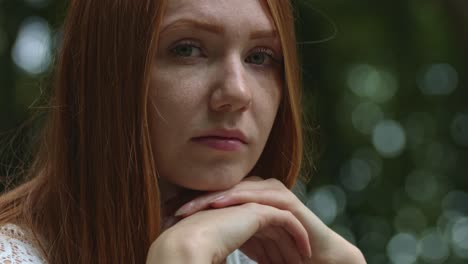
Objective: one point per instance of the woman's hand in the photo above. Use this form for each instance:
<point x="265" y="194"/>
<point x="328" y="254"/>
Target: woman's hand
<point x="327" y="246"/>
<point x="268" y="234"/>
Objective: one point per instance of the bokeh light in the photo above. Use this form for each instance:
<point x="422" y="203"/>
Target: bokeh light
<point x="433" y="248"/>
<point x="327" y="203"/>
<point x="445" y="222"/>
<point x="371" y="158"/>
<point x="389" y="138"/>
<point x="32" y="49"/>
<point x="439" y="79"/>
<point x="367" y="81"/>
<point x="355" y="175"/>
<point x="460" y="237"/>
<point x="402" y="248"/>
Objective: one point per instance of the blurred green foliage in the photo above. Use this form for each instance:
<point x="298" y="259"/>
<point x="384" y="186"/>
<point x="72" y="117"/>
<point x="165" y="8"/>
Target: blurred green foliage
<point x="385" y="90"/>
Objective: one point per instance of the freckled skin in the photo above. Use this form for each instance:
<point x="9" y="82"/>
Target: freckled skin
<point x="217" y="86"/>
<point x="217" y="73"/>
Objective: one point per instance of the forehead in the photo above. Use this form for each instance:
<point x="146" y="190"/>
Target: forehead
<point x="240" y="14"/>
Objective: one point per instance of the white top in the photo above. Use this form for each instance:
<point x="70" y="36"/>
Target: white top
<point x="16" y="248"/>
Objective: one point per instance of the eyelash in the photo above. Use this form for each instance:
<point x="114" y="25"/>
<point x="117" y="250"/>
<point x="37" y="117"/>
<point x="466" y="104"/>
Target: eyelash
<point x="188" y="43"/>
<point x="266" y="51"/>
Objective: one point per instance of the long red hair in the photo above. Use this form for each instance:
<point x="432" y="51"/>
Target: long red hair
<point x="92" y="195"/>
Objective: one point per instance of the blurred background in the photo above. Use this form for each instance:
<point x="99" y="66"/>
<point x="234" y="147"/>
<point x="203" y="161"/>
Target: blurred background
<point x="385" y="96"/>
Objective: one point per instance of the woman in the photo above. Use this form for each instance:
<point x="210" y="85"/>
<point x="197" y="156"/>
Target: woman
<point x="173" y="137"/>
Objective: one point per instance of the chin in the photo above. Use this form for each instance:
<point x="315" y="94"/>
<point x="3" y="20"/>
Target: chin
<point x="214" y="186"/>
<point x="211" y="183"/>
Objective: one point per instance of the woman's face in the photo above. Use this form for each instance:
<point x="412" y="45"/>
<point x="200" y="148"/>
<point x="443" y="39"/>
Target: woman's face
<point x="215" y="89"/>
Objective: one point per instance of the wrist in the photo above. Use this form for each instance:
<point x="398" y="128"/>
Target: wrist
<point x="170" y="248"/>
<point x="347" y="253"/>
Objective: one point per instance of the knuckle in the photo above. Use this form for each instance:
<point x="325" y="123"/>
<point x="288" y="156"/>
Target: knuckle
<point x="288" y="216"/>
<point x="275" y="183"/>
<point x="253" y="178"/>
<point x="254" y="207"/>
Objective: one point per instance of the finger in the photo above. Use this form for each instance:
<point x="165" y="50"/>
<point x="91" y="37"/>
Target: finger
<point x="272" y="193"/>
<point x="254" y="250"/>
<point x="253" y="179"/>
<point x="318" y="231"/>
<point x="230" y="234"/>
<point x="258" y="217"/>
<point x="193" y="206"/>
<point x="286" y="246"/>
<point x="251" y="185"/>
<point x="203" y="202"/>
<point x="278" y="199"/>
<point x="267" y="255"/>
<point x="271" y="246"/>
<point x="270" y="216"/>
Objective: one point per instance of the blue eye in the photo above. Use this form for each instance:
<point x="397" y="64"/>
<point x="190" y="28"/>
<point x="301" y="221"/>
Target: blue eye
<point x="262" y="56"/>
<point x="257" y="58"/>
<point x="186" y="50"/>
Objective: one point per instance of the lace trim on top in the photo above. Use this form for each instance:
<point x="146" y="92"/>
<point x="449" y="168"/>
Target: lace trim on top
<point x="16" y="246"/>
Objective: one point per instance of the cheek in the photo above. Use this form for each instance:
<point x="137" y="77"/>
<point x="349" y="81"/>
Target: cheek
<point x="169" y="105"/>
<point x="267" y="103"/>
<point x="170" y="90"/>
<point x="177" y="95"/>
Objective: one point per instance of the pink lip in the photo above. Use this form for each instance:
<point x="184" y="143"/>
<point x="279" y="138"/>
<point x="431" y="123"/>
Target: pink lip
<point x="225" y="140"/>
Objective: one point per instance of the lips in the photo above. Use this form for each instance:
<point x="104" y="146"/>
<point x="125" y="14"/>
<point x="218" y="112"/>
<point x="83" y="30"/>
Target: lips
<point x="224" y="140"/>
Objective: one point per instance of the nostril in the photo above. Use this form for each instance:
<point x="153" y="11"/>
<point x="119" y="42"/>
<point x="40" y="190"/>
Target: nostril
<point x="225" y="108"/>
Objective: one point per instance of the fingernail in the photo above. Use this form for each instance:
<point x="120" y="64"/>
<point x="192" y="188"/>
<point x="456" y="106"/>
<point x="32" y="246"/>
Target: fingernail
<point x="216" y="199"/>
<point x="184" y="209"/>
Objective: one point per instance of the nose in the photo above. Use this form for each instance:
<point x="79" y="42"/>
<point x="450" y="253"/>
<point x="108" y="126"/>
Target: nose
<point x="231" y="92"/>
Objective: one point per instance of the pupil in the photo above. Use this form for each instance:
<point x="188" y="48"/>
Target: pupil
<point x="185" y="51"/>
<point x="258" y="58"/>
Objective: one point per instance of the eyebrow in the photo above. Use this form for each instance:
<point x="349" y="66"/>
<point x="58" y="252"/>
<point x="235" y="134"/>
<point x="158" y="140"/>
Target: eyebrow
<point x="217" y="29"/>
